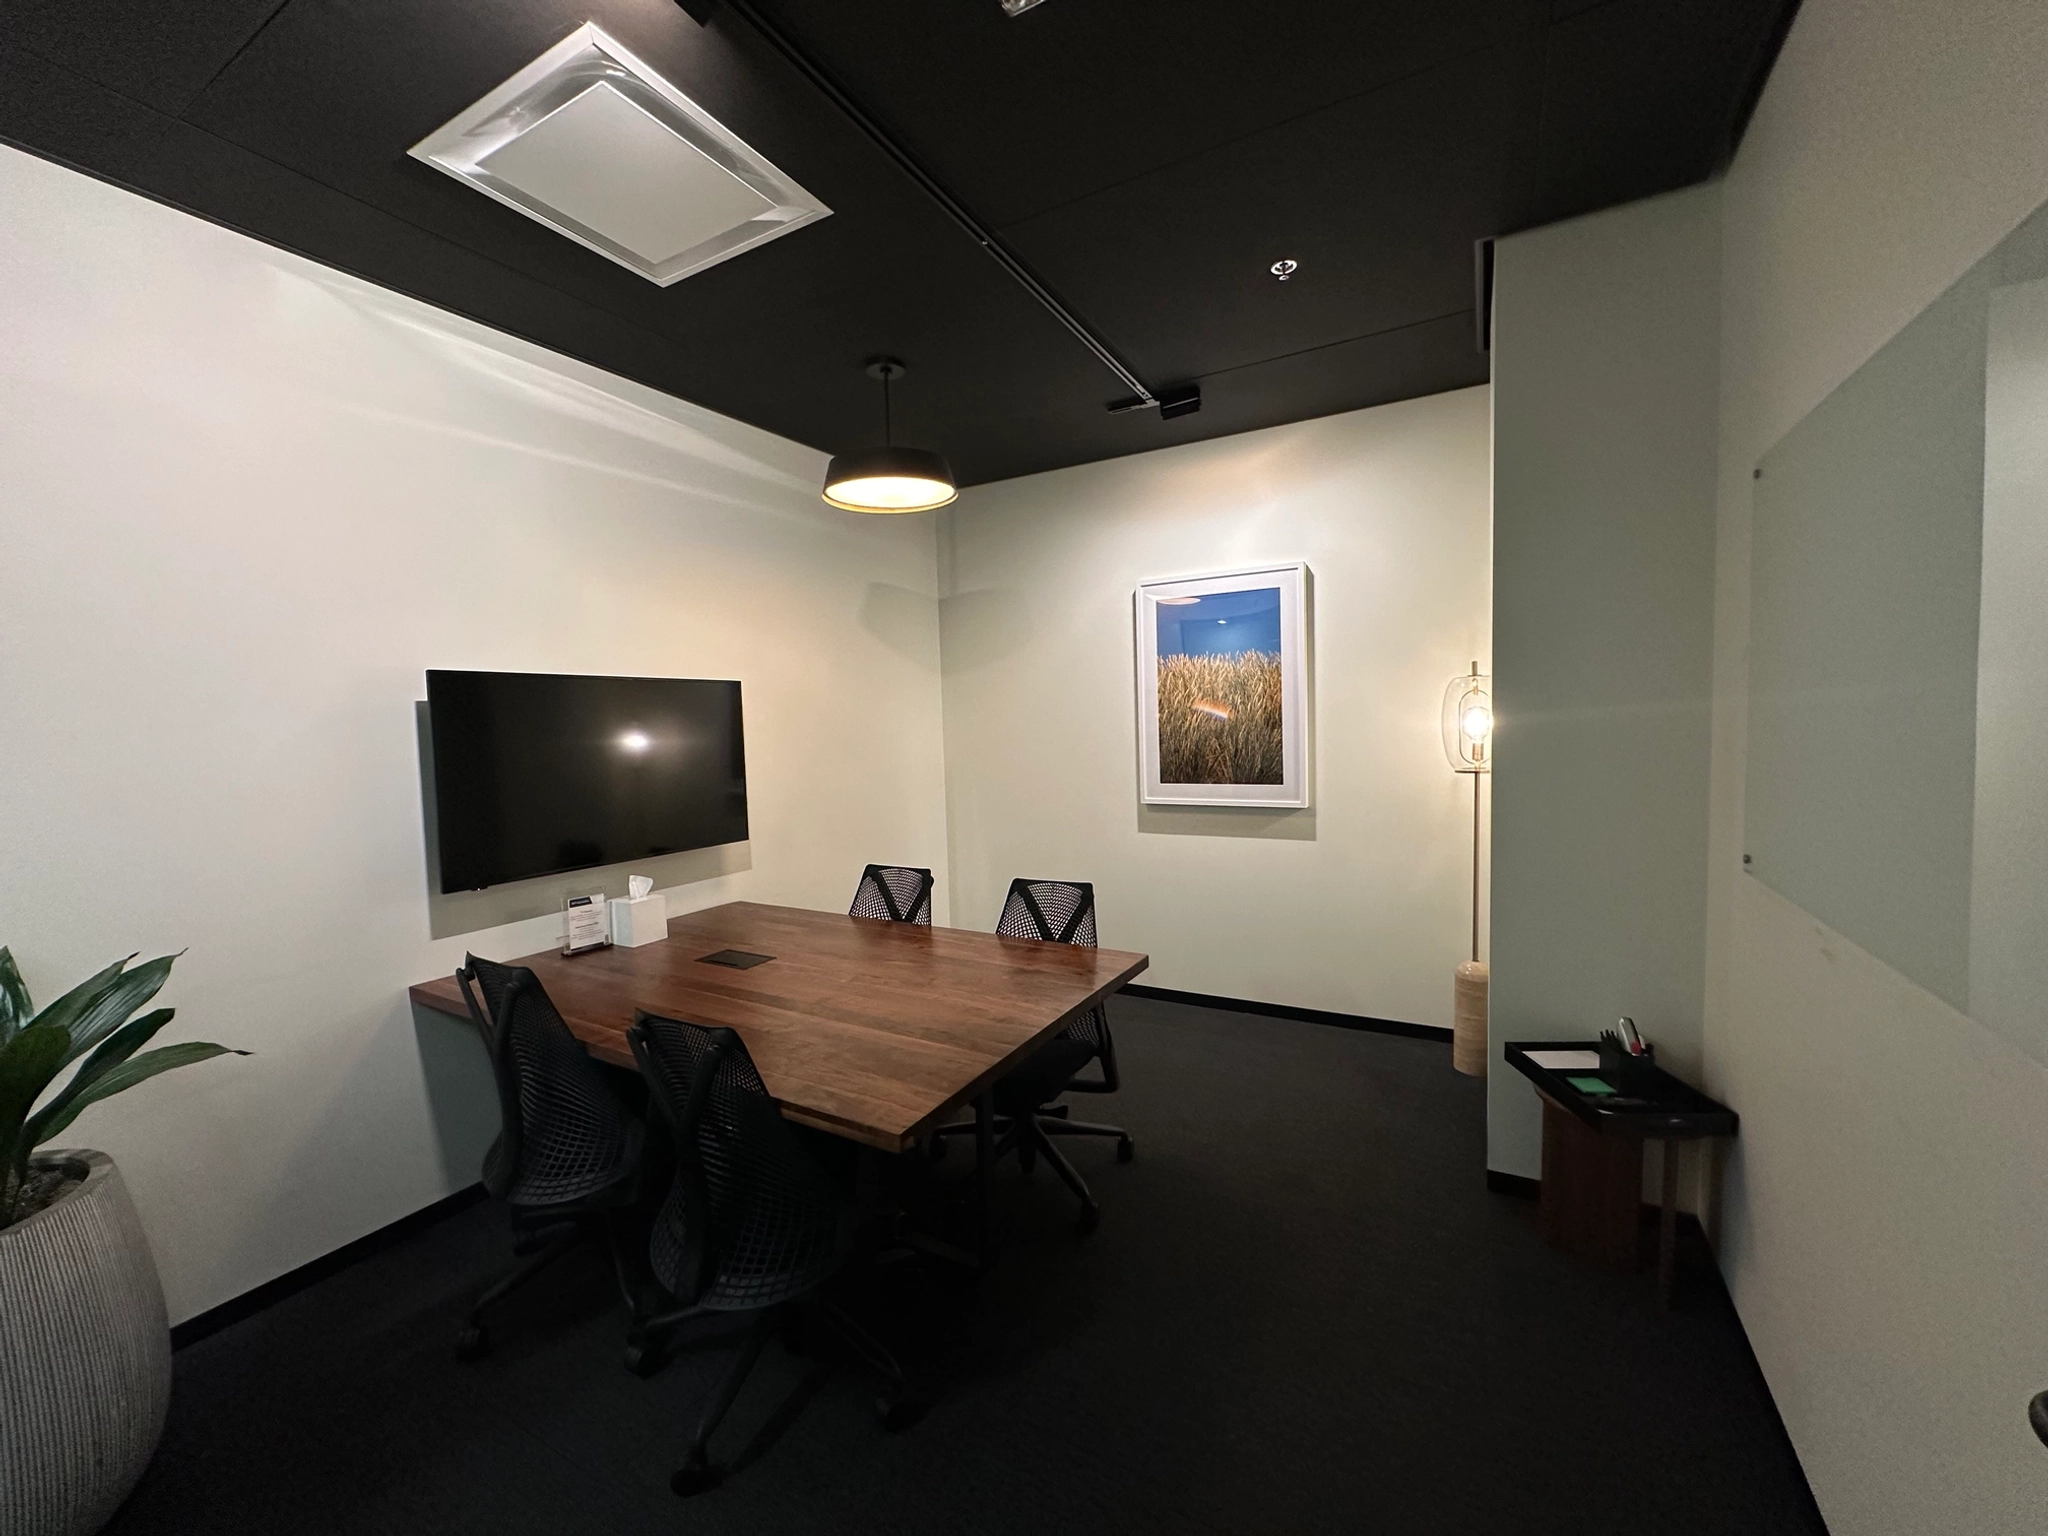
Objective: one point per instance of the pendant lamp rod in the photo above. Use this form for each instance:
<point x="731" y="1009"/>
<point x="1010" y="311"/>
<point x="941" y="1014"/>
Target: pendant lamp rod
<point x="932" y="188"/>
<point x="888" y="370"/>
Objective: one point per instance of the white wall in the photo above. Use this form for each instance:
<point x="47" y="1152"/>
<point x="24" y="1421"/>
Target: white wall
<point x="1604" y="356"/>
<point x="1360" y="904"/>
<point x="1886" y="1224"/>
<point x="245" y="502"/>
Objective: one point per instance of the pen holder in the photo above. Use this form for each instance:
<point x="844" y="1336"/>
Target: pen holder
<point x="1628" y="1074"/>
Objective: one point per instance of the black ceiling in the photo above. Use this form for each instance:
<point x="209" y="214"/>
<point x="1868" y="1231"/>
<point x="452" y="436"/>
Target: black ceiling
<point x="1149" y="159"/>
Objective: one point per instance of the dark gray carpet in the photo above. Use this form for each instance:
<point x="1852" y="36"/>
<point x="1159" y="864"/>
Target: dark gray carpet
<point x="1303" y="1313"/>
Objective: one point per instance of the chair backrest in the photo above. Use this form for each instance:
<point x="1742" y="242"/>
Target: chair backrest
<point x="751" y="1219"/>
<point x="1058" y="911"/>
<point x="1062" y="912"/>
<point x="894" y="894"/>
<point x="565" y="1134"/>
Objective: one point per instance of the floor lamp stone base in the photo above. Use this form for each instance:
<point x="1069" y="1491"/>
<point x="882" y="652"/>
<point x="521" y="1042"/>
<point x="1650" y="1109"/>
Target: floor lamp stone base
<point x="1468" y="1027"/>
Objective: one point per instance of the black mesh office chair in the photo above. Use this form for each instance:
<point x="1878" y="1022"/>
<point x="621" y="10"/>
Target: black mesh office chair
<point x="1057" y="912"/>
<point x="893" y="894"/>
<point x="567" y="1158"/>
<point x="752" y="1224"/>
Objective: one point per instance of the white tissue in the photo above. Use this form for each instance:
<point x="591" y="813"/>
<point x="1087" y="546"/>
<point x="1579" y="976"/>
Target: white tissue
<point x="638" y="886"/>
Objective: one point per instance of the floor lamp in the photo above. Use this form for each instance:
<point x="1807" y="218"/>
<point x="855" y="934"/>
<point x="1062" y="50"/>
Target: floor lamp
<point x="1468" y="742"/>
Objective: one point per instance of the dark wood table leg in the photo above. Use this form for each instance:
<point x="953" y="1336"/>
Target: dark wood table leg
<point x="1592" y="1197"/>
<point x="1667" y="1227"/>
<point x="984" y="1156"/>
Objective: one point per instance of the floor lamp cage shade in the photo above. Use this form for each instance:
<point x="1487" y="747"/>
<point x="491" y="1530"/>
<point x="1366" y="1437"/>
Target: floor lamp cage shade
<point x="1468" y="722"/>
<point x="1468" y="743"/>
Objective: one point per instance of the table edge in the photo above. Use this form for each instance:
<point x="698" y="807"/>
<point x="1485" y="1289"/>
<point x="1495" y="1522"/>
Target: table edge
<point x="443" y="995"/>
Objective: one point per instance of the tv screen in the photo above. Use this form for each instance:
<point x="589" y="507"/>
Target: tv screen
<point x="536" y="773"/>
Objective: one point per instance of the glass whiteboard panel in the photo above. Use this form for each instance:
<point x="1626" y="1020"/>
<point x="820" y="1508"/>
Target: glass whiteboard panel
<point x="1898" y="646"/>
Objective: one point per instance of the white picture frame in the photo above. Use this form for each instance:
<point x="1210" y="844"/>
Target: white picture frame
<point x="1216" y="745"/>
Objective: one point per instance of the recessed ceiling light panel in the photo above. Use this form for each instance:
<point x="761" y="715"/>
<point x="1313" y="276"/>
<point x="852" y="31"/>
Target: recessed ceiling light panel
<point x="594" y="144"/>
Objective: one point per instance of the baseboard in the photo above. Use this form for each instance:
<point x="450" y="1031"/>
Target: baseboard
<point x="1283" y="1011"/>
<point x="271" y="1292"/>
<point x="1513" y="1184"/>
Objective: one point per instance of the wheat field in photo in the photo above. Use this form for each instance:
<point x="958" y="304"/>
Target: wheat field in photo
<point x="1219" y="719"/>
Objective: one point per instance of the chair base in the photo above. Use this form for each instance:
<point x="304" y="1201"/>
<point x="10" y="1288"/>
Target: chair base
<point x="1030" y="1136"/>
<point x="473" y="1338"/>
<point x="689" y="1480"/>
<point x="1126" y="1148"/>
<point x="898" y="1407"/>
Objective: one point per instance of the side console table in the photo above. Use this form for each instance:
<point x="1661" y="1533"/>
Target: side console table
<point x="1593" y="1154"/>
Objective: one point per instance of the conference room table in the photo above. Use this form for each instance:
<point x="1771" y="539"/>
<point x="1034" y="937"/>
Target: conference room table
<point x="872" y="1031"/>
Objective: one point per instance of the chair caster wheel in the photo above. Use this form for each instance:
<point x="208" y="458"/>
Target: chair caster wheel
<point x="473" y="1343"/>
<point x="642" y="1360"/>
<point x="1126" y="1149"/>
<point x="899" y="1413"/>
<point x="698" y="1477"/>
<point x="1091" y="1218"/>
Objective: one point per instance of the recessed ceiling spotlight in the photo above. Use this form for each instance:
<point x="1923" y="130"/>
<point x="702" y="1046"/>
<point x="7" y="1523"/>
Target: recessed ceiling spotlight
<point x="1019" y="7"/>
<point x="1285" y="269"/>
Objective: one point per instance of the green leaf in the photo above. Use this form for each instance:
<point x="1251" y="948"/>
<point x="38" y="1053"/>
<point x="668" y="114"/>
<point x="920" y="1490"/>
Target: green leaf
<point x="67" y="1010"/>
<point x="27" y="1064"/>
<point x="129" y="1073"/>
<point x="15" y="1008"/>
<point x="115" y="1049"/>
<point x="129" y="991"/>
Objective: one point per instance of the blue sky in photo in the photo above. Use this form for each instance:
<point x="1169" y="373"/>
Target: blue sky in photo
<point x="1221" y="624"/>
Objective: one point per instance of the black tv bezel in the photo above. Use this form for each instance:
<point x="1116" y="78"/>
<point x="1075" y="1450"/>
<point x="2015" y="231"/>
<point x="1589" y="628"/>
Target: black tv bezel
<point x="435" y="784"/>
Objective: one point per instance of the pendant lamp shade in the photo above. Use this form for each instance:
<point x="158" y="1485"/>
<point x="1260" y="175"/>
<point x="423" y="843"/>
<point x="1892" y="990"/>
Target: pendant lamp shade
<point x="889" y="480"/>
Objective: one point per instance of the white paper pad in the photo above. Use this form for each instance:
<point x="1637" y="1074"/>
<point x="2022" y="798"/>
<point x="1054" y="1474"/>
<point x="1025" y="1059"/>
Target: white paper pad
<point x="1566" y="1061"/>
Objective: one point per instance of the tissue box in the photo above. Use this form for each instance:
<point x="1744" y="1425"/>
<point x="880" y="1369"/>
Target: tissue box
<point x="639" y="920"/>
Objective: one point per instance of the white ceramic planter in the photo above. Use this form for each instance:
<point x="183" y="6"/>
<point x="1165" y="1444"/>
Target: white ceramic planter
<point x="85" y="1357"/>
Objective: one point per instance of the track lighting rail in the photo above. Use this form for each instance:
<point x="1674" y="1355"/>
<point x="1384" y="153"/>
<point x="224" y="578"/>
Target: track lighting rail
<point x="933" y="188"/>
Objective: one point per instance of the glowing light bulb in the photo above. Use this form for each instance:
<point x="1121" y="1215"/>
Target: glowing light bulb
<point x="636" y="741"/>
<point x="1478" y="721"/>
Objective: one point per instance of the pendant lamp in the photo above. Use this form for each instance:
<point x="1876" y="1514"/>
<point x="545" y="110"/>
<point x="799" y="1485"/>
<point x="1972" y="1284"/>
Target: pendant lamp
<point x="888" y="478"/>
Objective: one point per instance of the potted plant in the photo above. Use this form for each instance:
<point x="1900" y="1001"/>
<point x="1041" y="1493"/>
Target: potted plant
<point x="85" y="1346"/>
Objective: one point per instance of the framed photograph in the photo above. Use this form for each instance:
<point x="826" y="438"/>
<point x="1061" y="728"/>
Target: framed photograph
<point x="1223" y="688"/>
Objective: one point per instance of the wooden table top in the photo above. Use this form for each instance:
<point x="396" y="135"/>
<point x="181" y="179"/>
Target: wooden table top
<point x="873" y="1031"/>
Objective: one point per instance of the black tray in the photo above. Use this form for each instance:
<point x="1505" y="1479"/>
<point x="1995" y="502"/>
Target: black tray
<point x="1657" y="1105"/>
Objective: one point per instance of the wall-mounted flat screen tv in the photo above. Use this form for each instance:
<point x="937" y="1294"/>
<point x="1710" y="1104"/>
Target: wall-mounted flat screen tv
<point x="537" y="773"/>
